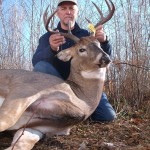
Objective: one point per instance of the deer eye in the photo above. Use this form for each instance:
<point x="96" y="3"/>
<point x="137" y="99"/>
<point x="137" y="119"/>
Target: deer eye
<point x="82" y="50"/>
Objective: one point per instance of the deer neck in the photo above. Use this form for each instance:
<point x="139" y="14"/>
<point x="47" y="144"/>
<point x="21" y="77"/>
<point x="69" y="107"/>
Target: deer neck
<point x="88" y="90"/>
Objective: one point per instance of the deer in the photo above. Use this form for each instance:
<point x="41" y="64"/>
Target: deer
<point x="35" y="104"/>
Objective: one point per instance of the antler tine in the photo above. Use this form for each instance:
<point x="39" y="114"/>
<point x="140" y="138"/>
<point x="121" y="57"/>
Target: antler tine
<point x="47" y="21"/>
<point x="100" y="12"/>
<point x="88" y="20"/>
<point x="109" y="16"/>
<point x="109" y="7"/>
<point x="104" y="19"/>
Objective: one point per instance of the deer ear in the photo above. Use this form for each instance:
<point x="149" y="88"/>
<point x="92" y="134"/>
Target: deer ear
<point x="65" y="55"/>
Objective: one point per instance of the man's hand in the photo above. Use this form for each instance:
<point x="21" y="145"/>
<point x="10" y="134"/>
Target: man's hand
<point x="100" y="34"/>
<point x="56" y="40"/>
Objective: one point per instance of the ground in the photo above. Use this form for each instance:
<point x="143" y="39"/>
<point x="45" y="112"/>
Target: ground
<point x="126" y="133"/>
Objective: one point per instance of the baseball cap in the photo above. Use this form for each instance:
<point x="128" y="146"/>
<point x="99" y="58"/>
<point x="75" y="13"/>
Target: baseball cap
<point x="73" y="1"/>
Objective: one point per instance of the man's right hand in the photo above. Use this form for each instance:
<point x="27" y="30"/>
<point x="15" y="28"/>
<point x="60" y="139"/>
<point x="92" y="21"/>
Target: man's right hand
<point x="56" y="40"/>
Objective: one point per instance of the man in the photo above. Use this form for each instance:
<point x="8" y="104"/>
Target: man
<point x="44" y="59"/>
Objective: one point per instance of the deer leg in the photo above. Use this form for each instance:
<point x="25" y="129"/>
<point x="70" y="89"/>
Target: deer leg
<point x="10" y="112"/>
<point x="25" y="139"/>
<point x="12" y="109"/>
<point x="65" y="132"/>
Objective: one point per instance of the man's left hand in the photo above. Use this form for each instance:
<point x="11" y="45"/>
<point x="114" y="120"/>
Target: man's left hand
<point x="100" y="34"/>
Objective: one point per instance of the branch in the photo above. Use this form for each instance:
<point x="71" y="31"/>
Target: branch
<point x="125" y="63"/>
<point x="25" y="127"/>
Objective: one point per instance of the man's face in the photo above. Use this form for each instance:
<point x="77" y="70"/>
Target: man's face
<point x="67" y="11"/>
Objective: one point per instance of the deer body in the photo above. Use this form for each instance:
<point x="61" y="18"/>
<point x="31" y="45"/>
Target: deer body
<point x="44" y="104"/>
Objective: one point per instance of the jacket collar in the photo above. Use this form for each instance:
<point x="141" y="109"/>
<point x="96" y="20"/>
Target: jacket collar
<point x="74" y="31"/>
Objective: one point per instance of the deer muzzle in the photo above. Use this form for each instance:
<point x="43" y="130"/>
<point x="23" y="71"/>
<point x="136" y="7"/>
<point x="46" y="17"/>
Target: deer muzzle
<point x="105" y="60"/>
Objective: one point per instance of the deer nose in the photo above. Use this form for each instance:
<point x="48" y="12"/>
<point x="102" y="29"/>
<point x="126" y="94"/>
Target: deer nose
<point x="105" y="59"/>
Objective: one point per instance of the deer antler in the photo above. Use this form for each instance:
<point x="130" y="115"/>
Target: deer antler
<point x="47" y="21"/>
<point x="108" y="17"/>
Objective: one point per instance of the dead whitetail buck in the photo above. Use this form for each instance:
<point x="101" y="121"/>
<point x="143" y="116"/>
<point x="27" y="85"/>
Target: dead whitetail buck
<point x="36" y="104"/>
